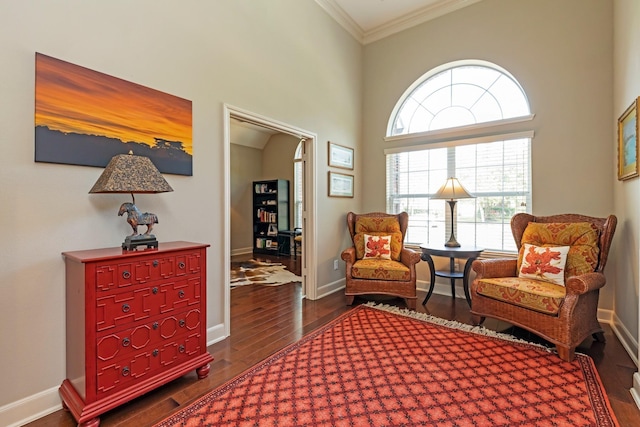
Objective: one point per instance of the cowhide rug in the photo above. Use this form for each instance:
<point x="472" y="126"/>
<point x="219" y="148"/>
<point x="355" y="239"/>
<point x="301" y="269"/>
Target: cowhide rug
<point x="254" y="272"/>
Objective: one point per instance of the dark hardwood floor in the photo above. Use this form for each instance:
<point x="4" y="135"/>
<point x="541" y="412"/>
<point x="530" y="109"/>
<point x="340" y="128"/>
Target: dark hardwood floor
<point x="266" y="319"/>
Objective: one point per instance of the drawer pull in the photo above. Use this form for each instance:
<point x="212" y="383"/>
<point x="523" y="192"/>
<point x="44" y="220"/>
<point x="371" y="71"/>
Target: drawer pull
<point x="155" y="325"/>
<point x="125" y="371"/>
<point x="154" y="290"/>
<point x="155" y="352"/>
<point x="155" y="263"/>
<point x="181" y="294"/>
<point x="126" y="274"/>
<point x="181" y="349"/>
<point x="126" y="342"/>
<point x="126" y="308"/>
<point x="181" y="265"/>
<point x="182" y="323"/>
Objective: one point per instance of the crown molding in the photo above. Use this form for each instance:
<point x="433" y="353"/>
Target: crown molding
<point x="342" y="18"/>
<point x="395" y="26"/>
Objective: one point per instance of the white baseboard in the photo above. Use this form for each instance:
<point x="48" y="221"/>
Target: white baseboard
<point x="440" y="288"/>
<point x="215" y="334"/>
<point x="242" y="251"/>
<point x="30" y="408"/>
<point x="635" y="390"/>
<point x="627" y="339"/>
<point x="330" y="288"/>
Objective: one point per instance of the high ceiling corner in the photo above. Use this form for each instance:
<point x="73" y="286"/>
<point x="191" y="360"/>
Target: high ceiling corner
<point x="371" y="20"/>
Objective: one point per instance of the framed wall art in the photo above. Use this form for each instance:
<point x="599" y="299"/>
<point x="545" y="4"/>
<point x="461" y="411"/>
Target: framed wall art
<point x="340" y="185"/>
<point x="84" y="117"/>
<point x="628" y="142"/>
<point x="340" y="156"/>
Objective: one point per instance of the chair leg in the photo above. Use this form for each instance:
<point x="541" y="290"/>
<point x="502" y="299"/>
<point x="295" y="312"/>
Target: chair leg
<point x="477" y="320"/>
<point x="566" y="353"/>
<point x="411" y="303"/>
<point x="350" y="299"/>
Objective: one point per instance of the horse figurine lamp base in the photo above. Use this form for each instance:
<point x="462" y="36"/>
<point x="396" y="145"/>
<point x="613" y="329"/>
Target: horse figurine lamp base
<point x="135" y="218"/>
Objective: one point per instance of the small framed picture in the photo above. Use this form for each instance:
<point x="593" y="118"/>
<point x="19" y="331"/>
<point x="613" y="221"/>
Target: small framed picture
<point x="340" y="185"/>
<point x="628" y="142"/>
<point x="340" y="156"/>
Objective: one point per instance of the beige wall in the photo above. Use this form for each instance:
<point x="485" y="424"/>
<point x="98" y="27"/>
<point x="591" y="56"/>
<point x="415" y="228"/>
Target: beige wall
<point x="283" y="59"/>
<point x="562" y="55"/>
<point x="246" y="167"/>
<point x="626" y="88"/>
<point x="277" y="163"/>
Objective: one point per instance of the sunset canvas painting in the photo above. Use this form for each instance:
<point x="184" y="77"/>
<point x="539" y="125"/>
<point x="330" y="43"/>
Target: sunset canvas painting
<point x="83" y="117"/>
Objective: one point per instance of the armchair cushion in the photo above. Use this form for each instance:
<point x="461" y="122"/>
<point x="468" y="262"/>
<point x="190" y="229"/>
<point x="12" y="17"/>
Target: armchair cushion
<point x="380" y="269"/>
<point x="537" y="295"/>
<point x="378" y="226"/>
<point x="582" y="237"/>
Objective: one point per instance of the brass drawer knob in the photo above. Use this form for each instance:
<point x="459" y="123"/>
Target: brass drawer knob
<point x="126" y="342"/>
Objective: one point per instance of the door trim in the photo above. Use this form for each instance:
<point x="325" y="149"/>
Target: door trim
<point x="309" y="231"/>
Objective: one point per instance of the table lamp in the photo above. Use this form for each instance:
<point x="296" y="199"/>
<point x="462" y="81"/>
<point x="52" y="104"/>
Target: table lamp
<point x="127" y="173"/>
<point x="450" y="191"/>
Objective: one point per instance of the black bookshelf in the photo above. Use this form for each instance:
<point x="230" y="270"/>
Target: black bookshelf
<point x="270" y="214"/>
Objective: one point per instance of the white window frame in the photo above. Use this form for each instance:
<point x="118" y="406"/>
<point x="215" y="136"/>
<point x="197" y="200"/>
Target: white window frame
<point x="500" y="130"/>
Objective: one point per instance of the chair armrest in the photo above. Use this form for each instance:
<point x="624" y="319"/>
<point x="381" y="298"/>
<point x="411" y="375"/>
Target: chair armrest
<point x="585" y="283"/>
<point x="409" y="257"/>
<point x="349" y="255"/>
<point x="497" y="267"/>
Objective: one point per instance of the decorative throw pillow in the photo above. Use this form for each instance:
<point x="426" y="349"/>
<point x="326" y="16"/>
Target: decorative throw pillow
<point x="377" y="246"/>
<point x="581" y="236"/>
<point x="544" y="263"/>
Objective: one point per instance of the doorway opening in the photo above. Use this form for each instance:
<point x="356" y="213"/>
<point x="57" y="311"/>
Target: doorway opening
<point x="308" y="205"/>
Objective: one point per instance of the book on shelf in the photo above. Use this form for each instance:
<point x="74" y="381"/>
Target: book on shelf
<point x="266" y="216"/>
<point x="263" y="189"/>
<point x="262" y="243"/>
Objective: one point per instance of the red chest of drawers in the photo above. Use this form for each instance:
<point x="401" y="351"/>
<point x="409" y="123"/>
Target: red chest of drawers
<point x="135" y="321"/>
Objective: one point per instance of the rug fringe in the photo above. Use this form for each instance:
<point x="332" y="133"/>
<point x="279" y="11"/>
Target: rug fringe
<point x="480" y="330"/>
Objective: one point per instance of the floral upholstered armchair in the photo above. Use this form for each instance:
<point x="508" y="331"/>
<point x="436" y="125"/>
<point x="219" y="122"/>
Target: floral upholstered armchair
<point x="378" y="262"/>
<point x="552" y="288"/>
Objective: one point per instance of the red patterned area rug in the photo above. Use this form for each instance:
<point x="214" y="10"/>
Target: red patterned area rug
<point x="380" y="366"/>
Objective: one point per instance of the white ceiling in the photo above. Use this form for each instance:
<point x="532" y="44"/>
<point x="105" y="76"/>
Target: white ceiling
<point x="371" y="20"/>
<point x="248" y="134"/>
<point x="367" y="21"/>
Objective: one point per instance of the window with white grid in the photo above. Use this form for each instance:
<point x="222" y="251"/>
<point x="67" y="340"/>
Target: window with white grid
<point x="297" y="187"/>
<point x="448" y="124"/>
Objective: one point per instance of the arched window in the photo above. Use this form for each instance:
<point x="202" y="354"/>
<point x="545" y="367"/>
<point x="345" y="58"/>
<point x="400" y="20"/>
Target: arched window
<point x="438" y="130"/>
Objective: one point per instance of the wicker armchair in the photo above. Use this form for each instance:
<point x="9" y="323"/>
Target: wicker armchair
<point x="395" y="276"/>
<point x="563" y="315"/>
